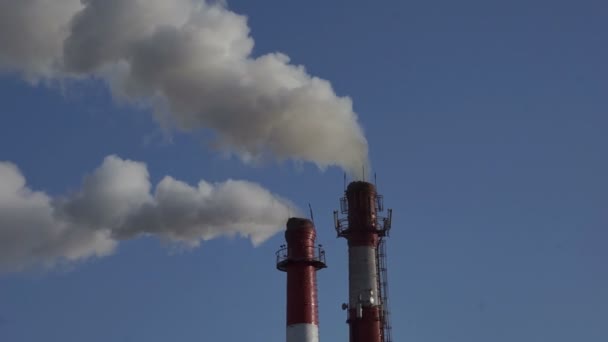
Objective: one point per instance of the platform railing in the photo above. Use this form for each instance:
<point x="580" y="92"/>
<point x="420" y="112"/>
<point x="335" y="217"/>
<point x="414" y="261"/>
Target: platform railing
<point x="282" y="256"/>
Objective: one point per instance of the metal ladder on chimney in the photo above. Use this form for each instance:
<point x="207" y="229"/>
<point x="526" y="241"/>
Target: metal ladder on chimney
<point x="383" y="290"/>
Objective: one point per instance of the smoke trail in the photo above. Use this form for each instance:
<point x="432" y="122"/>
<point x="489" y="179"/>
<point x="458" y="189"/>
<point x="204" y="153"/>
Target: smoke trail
<point x="115" y="203"/>
<point x="193" y="61"/>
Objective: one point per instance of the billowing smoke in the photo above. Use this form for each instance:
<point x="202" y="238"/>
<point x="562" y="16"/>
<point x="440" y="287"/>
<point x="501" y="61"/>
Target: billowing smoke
<point x="117" y="202"/>
<point x="192" y="61"/>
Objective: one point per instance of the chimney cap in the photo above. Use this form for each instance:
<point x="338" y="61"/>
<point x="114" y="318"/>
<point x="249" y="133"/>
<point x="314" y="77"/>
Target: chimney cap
<point x="299" y="223"/>
<point x="360" y="186"/>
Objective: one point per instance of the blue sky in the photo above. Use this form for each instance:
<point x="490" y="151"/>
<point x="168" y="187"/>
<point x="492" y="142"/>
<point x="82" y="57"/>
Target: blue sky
<point x="487" y="128"/>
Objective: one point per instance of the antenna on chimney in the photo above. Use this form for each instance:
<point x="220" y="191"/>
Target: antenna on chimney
<point x="312" y="217"/>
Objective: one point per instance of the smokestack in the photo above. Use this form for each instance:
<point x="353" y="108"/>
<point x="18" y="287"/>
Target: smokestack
<point x="300" y="258"/>
<point x="364" y="231"/>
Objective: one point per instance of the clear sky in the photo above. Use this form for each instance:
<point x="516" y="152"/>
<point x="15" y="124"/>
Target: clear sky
<point x="486" y="123"/>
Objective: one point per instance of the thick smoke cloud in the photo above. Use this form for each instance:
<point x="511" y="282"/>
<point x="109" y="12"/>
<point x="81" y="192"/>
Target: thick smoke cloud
<point x="115" y="203"/>
<point x="32" y="33"/>
<point x="193" y="61"/>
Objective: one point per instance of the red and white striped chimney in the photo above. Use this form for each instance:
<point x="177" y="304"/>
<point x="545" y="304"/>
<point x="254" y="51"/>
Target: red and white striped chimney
<point x="367" y="311"/>
<point x="300" y="259"/>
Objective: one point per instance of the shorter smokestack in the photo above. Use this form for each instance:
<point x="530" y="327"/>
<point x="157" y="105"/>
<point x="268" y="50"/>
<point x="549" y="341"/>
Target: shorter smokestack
<point x="300" y="259"/>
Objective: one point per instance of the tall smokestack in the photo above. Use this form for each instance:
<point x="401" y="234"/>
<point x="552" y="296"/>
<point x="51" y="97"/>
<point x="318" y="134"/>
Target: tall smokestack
<point x="364" y="231"/>
<point x="300" y="258"/>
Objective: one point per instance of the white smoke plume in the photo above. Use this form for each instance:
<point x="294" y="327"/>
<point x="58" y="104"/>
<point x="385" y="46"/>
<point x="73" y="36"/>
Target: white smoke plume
<point x="193" y="61"/>
<point x="115" y="203"/>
